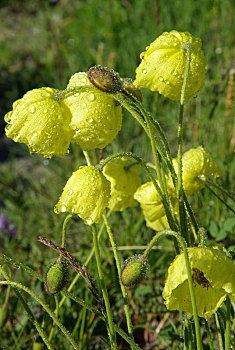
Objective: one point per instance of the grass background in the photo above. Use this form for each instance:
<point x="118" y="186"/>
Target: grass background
<point x="42" y="43"/>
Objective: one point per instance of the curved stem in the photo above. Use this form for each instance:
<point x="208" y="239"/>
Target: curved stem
<point x="68" y="217"/>
<point x="86" y="155"/>
<point x="228" y="325"/>
<point x="183" y="218"/>
<point x="190" y="279"/>
<point x="112" y="333"/>
<point x="46" y="308"/>
<point x="123" y="289"/>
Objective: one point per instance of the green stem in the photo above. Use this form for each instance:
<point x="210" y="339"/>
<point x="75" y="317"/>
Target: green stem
<point x="183" y="219"/>
<point x="52" y="332"/>
<point x="112" y="333"/>
<point x="230" y="195"/>
<point x="123" y="289"/>
<point x="228" y="325"/>
<point x="46" y="308"/>
<point x="28" y="310"/>
<point x="99" y="314"/>
<point x="221" y="346"/>
<point x="221" y="200"/>
<point x="209" y="335"/>
<point x="86" y="155"/>
<point x="68" y="217"/>
<point x="190" y="279"/>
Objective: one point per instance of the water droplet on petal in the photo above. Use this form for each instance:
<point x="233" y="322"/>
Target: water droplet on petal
<point x="63" y="209"/>
<point x="31" y="109"/>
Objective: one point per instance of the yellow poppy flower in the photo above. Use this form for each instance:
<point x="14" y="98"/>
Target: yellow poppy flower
<point x="153" y="209"/>
<point x="213" y="276"/>
<point x="96" y="118"/>
<point x="86" y="193"/>
<point x="41" y="122"/>
<point x="163" y="65"/>
<point x="124" y="180"/>
<point x="197" y="165"/>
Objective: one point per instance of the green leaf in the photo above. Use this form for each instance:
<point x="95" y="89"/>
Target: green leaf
<point x="213" y="229"/>
<point x="229" y="224"/>
<point x="222" y="235"/>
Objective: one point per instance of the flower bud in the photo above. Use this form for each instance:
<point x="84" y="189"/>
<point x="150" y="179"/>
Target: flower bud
<point x="57" y="277"/>
<point x="86" y="194"/>
<point x="163" y="65"/>
<point x="131" y="88"/>
<point x="105" y="79"/>
<point x="41" y="122"/>
<point x="96" y="119"/>
<point x="153" y="209"/>
<point x="124" y="180"/>
<point x="3" y="315"/>
<point x="134" y="271"/>
<point x="197" y="165"/>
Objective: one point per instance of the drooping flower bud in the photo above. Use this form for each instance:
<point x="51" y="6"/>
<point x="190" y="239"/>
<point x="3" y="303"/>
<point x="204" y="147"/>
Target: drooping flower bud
<point x="213" y="276"/>
<point x="86" y="193"/>
<point x="57" y="277"/>
<point x="105" y="79"/>
<point x="131" y="88"/>
<point x="134" y="271"/>
<point x="124" y="180"/>
<point x="197" y="165"/>
<point x="96" y="119"/>
<point x="41" y="122"/>
<point x="163" y="65"/>
<point x="153" y="209"/>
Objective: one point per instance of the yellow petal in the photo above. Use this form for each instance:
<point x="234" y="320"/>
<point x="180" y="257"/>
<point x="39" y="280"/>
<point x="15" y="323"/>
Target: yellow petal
<point x="41" y="122"/>
<point x="86" y="194"/>
<point x="96" y="119"/>
<point x="163" y="65"/>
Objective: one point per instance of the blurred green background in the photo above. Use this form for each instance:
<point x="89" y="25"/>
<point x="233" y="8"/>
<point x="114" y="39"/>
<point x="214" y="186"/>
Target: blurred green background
<point x="42" y="43"/>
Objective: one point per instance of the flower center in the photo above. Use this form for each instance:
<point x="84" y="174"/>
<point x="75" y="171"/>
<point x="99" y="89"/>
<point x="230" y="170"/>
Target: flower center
<point x="199" y="278"/>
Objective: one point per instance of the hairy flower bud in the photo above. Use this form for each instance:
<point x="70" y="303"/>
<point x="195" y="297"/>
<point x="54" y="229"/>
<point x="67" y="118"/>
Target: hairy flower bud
<point x="57" y="277"/>
<point x="125" y="180"/>
<point x="41" y="122"/>
<point x="105" y="79"/>
<point x="86" y="193"/>
<point x="197" y="165"/>
<point x="163" y="65"/>
<point x="134" y="271"/>
<point x="96" y="118"/>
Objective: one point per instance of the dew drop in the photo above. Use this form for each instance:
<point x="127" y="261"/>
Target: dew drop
<point x="31" y="109"/>
<point x="35" y="134"/>
<point x="161" y="78"/>
<point x="89" y="221"/>
<point x="144" y="71"/>
<point x="63" y="209"/>
<point x="90" y="97"/>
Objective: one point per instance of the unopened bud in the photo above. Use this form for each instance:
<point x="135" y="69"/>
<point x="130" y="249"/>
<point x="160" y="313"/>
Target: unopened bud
<point x="134" y="271"/>
<point x="57" y="277"/>
<point x="105" y="79"/>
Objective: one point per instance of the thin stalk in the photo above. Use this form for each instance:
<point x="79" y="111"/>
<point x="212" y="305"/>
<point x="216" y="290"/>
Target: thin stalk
<point x="47" y="309"/>
<point x="112" y="332"/>
<point x="221" y="346"/>
<point x="28" y="310"/>
<point x="68" y="217"/>
<point x="221" y="200"/>
<point x="183" y="219"/>
<point x="190" y="279"/>
<point x="57" y="309"/>
<point x="230" y="195"/>
<point x="209" y="335"/>
<point x="86" y="155"/>
<point x="228" y="325"/>
<point x="123" y="289"/>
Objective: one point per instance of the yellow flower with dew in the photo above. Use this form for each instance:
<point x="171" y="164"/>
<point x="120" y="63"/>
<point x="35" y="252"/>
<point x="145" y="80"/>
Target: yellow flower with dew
<point x="41" y="122"/>
<point x="86" y="193"/>
<point x="124" y="178"/>
<point x="197" y="166"/>
<point x="213" y="276"/>
<point x="96" y="118"/>
<point x="163" y="65"/>
<point x="153" y="209"/>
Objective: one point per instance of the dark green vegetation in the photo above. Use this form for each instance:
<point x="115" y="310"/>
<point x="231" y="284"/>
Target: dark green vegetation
<point x="43" y="43"/>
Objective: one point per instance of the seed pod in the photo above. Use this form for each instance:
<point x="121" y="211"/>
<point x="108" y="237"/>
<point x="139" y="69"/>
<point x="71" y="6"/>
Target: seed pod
<point x="163" y="65"/>
<point x="41" y="122"/>
<point x="134" y="271"/>
<point x="57" y="277"/>
<point x="3" y="315"/>
<point x="86" y="194"/>
<point x="105" y="79"/>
